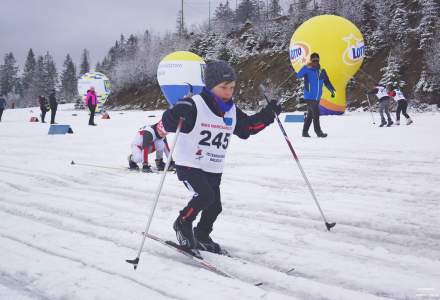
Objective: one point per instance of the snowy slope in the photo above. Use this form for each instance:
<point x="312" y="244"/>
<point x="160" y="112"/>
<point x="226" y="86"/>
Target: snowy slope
<point x="65" y="231"/>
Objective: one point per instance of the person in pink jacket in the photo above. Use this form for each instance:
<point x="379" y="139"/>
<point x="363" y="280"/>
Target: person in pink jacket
<point x="91" y="101"/>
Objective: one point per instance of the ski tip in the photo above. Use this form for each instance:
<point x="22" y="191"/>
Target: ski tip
<point x="330" y="225"/>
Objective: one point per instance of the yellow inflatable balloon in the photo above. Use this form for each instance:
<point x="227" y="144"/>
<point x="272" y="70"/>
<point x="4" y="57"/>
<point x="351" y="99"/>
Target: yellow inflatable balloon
<point x="340" y="46"/>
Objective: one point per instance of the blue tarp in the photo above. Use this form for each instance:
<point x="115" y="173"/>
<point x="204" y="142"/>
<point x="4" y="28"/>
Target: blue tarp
<point x="59" y="129"/>
<point x="294" y="118"/>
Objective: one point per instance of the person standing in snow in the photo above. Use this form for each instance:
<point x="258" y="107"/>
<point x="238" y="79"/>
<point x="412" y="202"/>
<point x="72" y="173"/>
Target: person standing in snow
<point x="42" y="101"/>
<point x="209" y="121"/>
<point x="148" y="140"/>
<point x="53" y="104"/>
<point x="2" y="106"/>
<point x="91" y="101"/>
<point x="384" y="103"/>
<point x="314" y="79"/>
<point x="402" y="105"/>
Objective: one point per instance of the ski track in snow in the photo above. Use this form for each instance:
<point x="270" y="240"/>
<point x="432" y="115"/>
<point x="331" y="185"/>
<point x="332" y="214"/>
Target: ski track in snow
<point x="67" y="229"/>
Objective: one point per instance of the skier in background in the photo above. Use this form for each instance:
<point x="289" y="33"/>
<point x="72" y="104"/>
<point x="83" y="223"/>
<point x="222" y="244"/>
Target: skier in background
<point x="42" y="101"/>
<point x="210" y="120"/>
<point x="148" y="140"/>
<point x="314" y="79"/>
<point x="53" y="104"/>
<point x="402" y="105"/>
<point x="384" y="103"/>
<point x="91" y="101"/>
<point x="2" y="106"/>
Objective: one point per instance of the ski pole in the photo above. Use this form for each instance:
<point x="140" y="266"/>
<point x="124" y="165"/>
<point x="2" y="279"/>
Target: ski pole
<point x="369" y="104"/>
<point x="95" y="166"/>
<point x="135" y="261"/>
<point x="312" y="192"/>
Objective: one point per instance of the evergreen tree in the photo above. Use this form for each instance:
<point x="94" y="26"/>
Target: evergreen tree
<point x="246" y="11"/>
<point x="85" y="65"/>
<point x="275" y="9"/>
<point x="223" y="17"/>
<point x="28" y="72"/>
<point x="69" y="80"/>
<point x="36" y="86"/>
<point x="50" y="75"/>
<point x="368" y="20"/>
<point x="132" y="46"/>
<point x="399" y="25"/>
<point x="392" y="72"/>
<point x="180" y="25"/>
<point x="8" y="75"/>
<point x="429" y="23"/>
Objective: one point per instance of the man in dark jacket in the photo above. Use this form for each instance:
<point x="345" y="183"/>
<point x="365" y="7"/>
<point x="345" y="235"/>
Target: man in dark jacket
<point x="53" y="104"/>
<point x="42" y="101"/>
<point x="2" y="106"/>
<point x="209" y="121"/>
<point x="314" y="79"/>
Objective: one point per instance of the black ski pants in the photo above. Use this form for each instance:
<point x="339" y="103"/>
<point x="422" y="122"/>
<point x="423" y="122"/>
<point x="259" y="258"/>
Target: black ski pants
<point x="53" y="112"/>
<point x="92" y="109"/>
<point x="206" y="198"/>
<point x="313" y="113"/>
<point x="43" y="113"/>
<point x="1" y="113"/>
<point x="402" y="105"/>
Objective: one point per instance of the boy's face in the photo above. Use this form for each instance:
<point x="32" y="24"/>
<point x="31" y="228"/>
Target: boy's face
<point x="224" y="90"/>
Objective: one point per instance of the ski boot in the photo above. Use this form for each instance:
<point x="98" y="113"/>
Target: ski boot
<point x="409" y="121"/>
<point x="390" y="122"/>
<point x="306" y="134"/>
<point x="205" y="243"/>
<point x="160" y="165"/>
<point x="185" y="234"/>
<point x="322" y="134"/>
<point x="146" y="168"/>
<point x="383" y="123"/>
<point x="132" y="165"/>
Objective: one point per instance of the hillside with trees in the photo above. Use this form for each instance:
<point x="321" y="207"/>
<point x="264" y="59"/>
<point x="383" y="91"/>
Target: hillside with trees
<point x="402" y="48"/>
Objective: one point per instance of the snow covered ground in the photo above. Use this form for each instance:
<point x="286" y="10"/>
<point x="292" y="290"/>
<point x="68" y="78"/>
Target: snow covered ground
<point x="65" y="231"/>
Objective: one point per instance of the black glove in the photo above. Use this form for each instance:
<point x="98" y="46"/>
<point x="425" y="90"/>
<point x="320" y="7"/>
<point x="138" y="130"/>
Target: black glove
<point x="333" y="94"/>
<point x="274" y="107"/>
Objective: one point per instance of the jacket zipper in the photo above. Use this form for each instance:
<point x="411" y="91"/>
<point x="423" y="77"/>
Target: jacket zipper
<point x="318" y="86"/>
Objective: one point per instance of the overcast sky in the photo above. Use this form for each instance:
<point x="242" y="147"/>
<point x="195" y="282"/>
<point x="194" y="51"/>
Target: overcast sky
<point x="69" y="26"/>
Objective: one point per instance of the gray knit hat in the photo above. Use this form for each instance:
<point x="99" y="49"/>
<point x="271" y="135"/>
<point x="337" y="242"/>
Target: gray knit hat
<point x="218" y="71"/>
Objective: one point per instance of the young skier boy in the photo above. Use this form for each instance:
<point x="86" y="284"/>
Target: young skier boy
<point x="209" y="121"/>
<point x="384" y="98"/>
<point x="402" y="105"/>
<point x="148" y="140"/>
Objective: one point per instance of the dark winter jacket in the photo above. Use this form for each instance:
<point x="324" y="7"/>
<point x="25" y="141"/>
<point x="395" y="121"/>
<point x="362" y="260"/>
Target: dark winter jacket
<point x="245" y="125"/>
<point x="43" y="103"/>
<point x="314" y="78"/>
<point x="2" y="103"/>
<point x="53" y="101"/>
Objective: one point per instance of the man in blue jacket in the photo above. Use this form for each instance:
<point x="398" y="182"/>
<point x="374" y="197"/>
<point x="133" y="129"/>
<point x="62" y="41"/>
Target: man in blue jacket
<point x="314" y="78"/>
